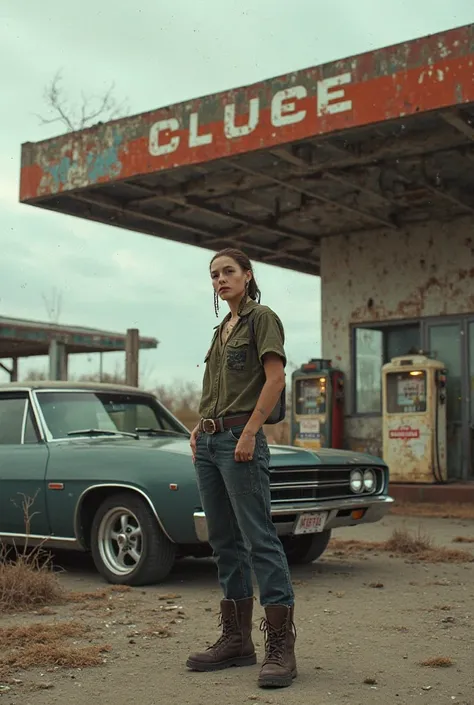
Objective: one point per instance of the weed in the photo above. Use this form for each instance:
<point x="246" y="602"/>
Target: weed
<point x="27" y="579"/>
<point x="402" y="543"/>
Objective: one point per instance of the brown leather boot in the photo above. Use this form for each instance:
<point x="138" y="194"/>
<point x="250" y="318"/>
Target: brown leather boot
<point x="279" y="665"/>
<point x="235" y="646"/>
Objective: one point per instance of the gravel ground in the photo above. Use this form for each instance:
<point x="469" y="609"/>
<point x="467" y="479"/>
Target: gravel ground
<point x="366" y="621"/>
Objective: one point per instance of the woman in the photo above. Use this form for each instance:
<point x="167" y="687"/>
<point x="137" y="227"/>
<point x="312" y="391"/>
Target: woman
<point x="243" y="382"/>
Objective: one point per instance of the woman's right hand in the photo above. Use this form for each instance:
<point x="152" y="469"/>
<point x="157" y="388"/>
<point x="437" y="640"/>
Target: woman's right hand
<point x="192" y="441"/>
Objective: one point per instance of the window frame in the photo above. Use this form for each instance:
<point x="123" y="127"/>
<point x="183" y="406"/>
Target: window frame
<point x="23" y="394"/>
<point x="383" y="327"/>
<point x="49" y="438"/>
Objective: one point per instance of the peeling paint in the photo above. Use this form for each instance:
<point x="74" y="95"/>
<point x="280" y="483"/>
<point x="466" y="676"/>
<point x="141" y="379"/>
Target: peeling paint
<point x="361" y="90"/>
<point x="79" y="164"/>
<point x="422" y="277"/>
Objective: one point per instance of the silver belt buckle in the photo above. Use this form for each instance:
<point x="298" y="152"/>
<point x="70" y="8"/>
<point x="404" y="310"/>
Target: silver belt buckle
<point x="209" y="426"/>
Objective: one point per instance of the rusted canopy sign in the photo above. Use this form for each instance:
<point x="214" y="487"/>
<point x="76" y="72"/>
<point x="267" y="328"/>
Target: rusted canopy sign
<point x="414" y="77"/>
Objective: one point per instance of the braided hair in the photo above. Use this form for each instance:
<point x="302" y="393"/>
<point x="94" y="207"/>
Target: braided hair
<point x="244" y="263"/>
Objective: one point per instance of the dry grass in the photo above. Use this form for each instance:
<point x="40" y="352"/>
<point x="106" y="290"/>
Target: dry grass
<point x="401" y="543"/>
<point x="438" y="662"/>
<point x="406" y="544"/>
<point x="40" y="633"/>
<point x="96" y="595"/>
<point x="27" y="580"/>
<point x="101" y="598"/>
<point x="46" y="645"/>
<point x="438" y="511"/>
<point x="340" y="547"/>
<point x="463" y="539"/>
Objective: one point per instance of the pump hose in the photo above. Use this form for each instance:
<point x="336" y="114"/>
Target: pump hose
<point x="437" y="470"/>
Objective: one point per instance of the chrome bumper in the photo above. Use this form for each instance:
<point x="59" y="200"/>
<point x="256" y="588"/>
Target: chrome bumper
<point x="285" y="517"/>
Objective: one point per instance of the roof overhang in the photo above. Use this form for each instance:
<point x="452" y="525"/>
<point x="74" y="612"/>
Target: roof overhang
<point x="379" y="140"/>
<point x="24" y="338"/>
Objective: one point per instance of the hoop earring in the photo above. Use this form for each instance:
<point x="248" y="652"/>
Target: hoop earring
<point x="216" y="304"/>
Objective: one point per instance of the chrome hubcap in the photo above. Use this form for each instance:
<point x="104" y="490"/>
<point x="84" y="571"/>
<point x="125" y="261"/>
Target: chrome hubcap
<point x="120" y="541"/>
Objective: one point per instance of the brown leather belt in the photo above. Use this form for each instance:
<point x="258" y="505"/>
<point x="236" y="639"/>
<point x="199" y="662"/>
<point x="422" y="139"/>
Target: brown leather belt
<point x="212" y="426"/>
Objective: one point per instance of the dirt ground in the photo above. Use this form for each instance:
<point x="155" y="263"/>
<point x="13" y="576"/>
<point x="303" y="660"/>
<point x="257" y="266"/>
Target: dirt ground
<point x="366" y="621"/>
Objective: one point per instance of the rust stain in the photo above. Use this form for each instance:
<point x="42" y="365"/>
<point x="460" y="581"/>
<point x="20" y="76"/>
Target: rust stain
<point x="412" y="306"/>
<point x="372" y="446"/>
<point x="466" y="274"/>
<point x="422" y="75"/>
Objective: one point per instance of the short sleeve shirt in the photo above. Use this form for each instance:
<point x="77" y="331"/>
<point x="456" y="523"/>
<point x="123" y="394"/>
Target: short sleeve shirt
<point x="234" y="374"/>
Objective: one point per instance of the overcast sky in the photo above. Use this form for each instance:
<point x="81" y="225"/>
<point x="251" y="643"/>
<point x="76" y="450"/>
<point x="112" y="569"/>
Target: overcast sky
<point x="159" y="53"/>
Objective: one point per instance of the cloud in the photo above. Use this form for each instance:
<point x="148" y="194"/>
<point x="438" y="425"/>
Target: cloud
<point x="157" y="54"/>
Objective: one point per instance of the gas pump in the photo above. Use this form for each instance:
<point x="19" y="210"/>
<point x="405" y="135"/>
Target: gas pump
<point x="414" y="419"/>
<point x="317" y="410"/>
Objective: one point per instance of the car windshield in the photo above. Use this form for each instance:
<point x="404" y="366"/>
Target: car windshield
<point x="67" y="412"/>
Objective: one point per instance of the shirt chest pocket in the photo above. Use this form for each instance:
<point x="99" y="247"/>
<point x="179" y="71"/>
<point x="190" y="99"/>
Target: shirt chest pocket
<point x="237" y="355"/>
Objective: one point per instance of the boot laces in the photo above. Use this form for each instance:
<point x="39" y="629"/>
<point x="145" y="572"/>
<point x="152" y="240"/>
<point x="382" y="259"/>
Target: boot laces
<point x="229" y="626"/>
<point x="275" y="640"/>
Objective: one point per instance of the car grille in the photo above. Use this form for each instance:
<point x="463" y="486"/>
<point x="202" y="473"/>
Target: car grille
<point x="317" y="483"/>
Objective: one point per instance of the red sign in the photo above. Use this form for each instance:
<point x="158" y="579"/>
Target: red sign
<point x="404" y="433"/>
<point x="417" y="76"/>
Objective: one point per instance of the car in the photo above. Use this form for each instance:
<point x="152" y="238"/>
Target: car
<point x="107" y="469"/>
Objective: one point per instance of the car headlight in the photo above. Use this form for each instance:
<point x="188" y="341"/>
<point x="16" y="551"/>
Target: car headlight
<point x="356" y="481"/>
<point x="369" y="480"/>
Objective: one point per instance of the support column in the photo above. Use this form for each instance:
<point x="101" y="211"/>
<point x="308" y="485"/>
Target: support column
<point x="132" y="348"/>
<point x="57" y="361"/>
<point x="14" y="370"/>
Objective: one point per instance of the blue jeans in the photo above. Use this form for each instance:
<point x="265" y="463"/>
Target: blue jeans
<point x="236" y="501"/>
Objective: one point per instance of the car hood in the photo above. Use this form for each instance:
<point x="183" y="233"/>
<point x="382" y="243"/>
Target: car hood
<point x="281" y="456"/>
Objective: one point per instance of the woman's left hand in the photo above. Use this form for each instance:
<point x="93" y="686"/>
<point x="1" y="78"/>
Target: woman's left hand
<point x="245" y="447"/>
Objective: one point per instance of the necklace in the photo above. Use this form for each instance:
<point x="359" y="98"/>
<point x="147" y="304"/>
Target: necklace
<point x="230" y="325"/>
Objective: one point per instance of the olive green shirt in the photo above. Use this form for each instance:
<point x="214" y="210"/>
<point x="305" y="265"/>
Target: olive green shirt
<point x="234" y="374"/>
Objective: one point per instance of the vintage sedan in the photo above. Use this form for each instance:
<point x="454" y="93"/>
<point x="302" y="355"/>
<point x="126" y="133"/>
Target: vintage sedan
<point x="108" y="469"/>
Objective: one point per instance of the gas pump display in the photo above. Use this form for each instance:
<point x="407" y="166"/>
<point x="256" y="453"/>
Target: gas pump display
<point x="414" y="419"/>
<point x="310" y="396"/>
<point x="406" y="392"/>
<point x="317" y="406"/>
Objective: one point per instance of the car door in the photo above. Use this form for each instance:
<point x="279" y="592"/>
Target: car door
<point x="23" y="462"/>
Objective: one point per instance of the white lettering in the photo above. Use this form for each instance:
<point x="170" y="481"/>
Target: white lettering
<point x="231" y="130"/>
<point x="325" y="94"/>
<point x="157" y="149"/>
<point x="195" y="139"/>
<point x="283" y="113"/>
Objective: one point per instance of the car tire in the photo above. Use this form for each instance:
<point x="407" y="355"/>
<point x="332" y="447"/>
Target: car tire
<point x="301" y="550"/>
<point x="127" y="544"/>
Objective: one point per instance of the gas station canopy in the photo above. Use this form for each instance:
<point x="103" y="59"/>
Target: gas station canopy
<point x="379" y="140"/>
<point x="23" y="338"/>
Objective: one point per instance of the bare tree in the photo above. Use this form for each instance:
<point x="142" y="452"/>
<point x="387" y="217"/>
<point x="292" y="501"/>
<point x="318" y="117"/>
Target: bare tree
<point x="89" y="111"/>
<point x="53" y="305"/>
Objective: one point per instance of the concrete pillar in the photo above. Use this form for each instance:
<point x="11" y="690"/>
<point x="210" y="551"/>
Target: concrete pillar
<point x="57" y="361"/>
<point x="14" y="370"/>
<point x="132" y="348"/>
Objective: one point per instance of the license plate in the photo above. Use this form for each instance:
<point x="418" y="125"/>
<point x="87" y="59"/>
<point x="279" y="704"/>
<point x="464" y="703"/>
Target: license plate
<point x="311" y="523"/>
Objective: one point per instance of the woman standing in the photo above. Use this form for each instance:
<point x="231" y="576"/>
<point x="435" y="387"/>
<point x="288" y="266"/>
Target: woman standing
<point x="243" y="382"/>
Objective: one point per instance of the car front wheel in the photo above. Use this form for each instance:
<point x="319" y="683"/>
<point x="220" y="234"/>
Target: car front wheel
<point x="127" y="544"/>
<point x="306" y="548"/>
